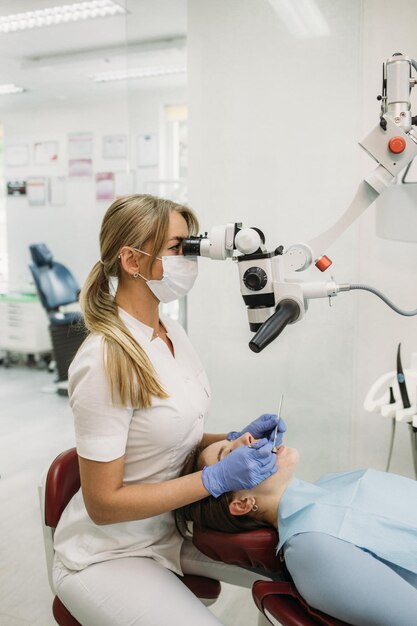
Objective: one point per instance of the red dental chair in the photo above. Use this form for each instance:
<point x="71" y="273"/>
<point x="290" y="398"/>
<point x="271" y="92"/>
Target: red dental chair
<point x="57" y="487"/>
<point x="278" y="599"/>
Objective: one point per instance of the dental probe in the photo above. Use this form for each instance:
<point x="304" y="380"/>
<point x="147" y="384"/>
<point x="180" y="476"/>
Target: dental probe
<point x="274" y="449"/>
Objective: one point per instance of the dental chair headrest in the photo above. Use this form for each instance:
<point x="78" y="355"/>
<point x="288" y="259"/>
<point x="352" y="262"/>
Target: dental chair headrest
<point x="254" y="549"/>
<point x="41" y="254"/>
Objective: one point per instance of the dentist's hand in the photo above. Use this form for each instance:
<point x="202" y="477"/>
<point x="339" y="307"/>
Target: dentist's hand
<point x="263" y="426"/>
<point x="244" y="468"/>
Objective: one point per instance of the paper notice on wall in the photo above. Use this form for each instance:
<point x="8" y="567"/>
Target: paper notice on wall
<point x="148" y="150"/>
<point x="36" y="191"/>
<point x="57" y="190"/>
<point x="104" y="186"/>
<point x="17" y="155"/>
<point x="124" y="184"/>
<point x="80" y="144"/>
<point x="45" y="152"/>
<point x="115" y="146"/>
<point x="80" y="167"/>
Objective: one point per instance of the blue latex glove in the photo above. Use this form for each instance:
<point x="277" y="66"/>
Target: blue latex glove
<point x="244" y="468"/>
<point x="263" y="426"/>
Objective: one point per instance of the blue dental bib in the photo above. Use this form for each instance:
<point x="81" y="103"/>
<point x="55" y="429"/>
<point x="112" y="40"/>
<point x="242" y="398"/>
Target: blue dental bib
<point x="373" y="510"/>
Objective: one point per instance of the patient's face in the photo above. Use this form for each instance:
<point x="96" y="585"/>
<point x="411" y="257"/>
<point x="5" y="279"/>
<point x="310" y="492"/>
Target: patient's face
<point x="217" y="451"/>
<point x="286" y="458"/>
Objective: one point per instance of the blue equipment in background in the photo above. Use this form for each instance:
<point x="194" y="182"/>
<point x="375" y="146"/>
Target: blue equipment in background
<point x="57" y="287"/>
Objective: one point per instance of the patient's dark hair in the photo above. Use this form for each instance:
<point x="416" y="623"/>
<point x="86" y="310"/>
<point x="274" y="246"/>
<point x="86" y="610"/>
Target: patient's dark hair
<point x="211" y="512"/>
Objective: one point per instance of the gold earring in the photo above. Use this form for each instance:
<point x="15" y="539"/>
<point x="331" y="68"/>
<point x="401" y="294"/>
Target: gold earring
<point x="255" y="508"/>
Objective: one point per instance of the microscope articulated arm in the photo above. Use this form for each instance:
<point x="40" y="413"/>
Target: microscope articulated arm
<point x="379" y="144"/>
<point x="272" y="294"/>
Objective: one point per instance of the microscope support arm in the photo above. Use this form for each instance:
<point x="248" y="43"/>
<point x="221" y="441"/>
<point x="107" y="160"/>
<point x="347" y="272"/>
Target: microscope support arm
<point x="364" y="197"/>
<point x="270" y="290"/>
<point x="379" y="144"/>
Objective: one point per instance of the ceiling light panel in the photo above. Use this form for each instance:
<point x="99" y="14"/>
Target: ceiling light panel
<point x="140" y="72"/>
<point x="302" y="18"/>
<point x="10" y="88"/>
<point x="60" y="15"/>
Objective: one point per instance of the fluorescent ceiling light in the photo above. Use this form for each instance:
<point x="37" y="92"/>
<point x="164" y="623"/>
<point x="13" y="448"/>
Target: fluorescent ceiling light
<point x="59" y="15"/>
<point x="302" y="18"/>
<point x="172" y="44"/>
<point x="10" y="88"/>
<point x="140" y="72"/>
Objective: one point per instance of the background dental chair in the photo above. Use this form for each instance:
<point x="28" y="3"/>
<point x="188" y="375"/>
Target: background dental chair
<point x="57" y="287"/>
<point x="278" y="599"/>
<point x="59" y="483"/>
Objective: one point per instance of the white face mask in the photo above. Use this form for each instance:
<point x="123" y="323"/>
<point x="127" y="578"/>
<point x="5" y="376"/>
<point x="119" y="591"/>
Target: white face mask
<point x="179" y="276"/>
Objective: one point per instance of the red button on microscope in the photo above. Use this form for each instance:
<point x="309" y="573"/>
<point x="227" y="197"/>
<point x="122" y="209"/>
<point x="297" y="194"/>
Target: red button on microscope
<point x="397" y="145"/>
<point x="323" y="263"/>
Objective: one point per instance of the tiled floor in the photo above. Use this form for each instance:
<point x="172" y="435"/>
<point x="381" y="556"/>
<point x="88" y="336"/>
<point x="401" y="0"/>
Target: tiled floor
<point x="35" y="425"/>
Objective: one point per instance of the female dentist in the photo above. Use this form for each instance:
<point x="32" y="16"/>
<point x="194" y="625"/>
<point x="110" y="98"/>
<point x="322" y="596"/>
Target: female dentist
<point x="139" y="396"/>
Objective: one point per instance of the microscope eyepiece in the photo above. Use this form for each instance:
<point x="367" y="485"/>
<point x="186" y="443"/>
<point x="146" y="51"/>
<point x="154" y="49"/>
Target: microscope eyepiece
<point x="192" y="246"/>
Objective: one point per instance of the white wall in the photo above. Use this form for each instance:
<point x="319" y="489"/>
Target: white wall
<point x="388" y="265"/>
<point x="274" y="126"/>
<point x="71" y="231"/>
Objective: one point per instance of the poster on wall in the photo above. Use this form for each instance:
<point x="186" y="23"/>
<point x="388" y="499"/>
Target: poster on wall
<point x="80" y="144"/>
<point x="80" y="167"/>
<point x="148" y="150"/>
<point x="17" y="154"/>
<point x="115" y="147"/>
<point x="124" y="183"/>
<point x="104" y="186"/>
<point x="57" y="190"/>
<point x="45" y="152"/>
<point x="16" y="187"/>
<point x="36" y="191"/>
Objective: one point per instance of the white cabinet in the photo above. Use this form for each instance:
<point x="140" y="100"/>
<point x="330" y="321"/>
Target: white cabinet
<point x="23" y="325"/>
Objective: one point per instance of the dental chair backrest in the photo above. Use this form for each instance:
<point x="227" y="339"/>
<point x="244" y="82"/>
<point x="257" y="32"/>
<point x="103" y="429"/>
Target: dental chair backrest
<point x="54" y="282"/>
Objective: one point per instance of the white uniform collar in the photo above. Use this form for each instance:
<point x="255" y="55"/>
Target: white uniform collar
<point x="137" y="325"/>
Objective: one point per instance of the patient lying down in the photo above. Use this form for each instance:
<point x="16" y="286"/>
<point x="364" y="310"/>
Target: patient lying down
<point x="349" y="540"/>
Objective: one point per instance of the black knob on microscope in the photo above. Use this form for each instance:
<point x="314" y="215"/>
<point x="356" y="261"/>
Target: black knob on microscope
<point x="255" y="278"/>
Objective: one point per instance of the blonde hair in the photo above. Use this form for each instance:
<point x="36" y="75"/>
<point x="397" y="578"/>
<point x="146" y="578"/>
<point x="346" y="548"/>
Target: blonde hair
<point x="129" y="221"/>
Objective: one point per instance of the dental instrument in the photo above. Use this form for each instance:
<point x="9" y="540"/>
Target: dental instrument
<point x="401" y="380"/>
<point x="407" y="405"/>
<point x="274" y="448"/>
<point x="398" y="402"/>
<point x="269" y="287"/>
<point x="393" y="425"/>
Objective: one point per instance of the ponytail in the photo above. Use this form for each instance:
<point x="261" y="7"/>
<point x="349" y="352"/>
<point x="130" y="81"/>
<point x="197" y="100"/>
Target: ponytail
<point x="132" y="378"/>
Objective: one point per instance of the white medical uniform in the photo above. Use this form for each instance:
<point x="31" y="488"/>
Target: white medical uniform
<point x="155" y="443"/>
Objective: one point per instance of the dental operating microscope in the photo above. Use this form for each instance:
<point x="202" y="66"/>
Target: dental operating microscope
<point x="271" y="290"/>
